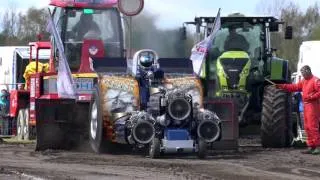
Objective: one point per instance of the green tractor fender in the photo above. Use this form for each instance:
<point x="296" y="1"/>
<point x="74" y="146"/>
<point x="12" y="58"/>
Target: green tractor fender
<point x="279" y="70"/>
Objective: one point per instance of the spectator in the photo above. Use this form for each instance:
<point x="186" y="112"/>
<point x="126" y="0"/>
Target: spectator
<point x="310" y="88"/>
<point x="4" y="111"/>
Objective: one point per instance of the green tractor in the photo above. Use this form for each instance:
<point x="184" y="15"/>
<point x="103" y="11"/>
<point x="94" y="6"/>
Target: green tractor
<point x="238" y="67"/>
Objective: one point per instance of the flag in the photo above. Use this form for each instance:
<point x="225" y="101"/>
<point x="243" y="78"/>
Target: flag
<point x="200" y="50"/>
<point x="65" y="83"/>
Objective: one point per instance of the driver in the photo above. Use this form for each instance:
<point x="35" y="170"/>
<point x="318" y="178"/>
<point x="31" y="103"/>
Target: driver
<point x="85" y="24"/>
<point x="235" y="41"/>
<point x="148" y="74"/>
<point x="85" y="28"/>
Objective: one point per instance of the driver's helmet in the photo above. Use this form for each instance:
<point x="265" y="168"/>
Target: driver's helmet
<point x="146" y="60"/>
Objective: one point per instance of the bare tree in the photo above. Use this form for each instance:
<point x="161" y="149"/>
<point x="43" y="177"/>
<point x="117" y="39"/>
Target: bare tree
<point x="271" y="7"/>
<point x="10" y="25"/>
<point x="32" y="23"/>
<point x="305" y="26"/>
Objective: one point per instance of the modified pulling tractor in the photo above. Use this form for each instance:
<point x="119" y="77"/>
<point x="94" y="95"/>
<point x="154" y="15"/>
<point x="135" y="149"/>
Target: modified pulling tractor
<point x="156" y="104"/>
<point x="239" y="62"/>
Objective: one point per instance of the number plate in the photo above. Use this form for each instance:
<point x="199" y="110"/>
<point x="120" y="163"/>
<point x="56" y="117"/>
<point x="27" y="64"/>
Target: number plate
<point x="83" y="84"/>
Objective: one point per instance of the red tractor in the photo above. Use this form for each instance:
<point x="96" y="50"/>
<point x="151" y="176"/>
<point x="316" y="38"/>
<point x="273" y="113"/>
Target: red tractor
<point x="87" y="29"/>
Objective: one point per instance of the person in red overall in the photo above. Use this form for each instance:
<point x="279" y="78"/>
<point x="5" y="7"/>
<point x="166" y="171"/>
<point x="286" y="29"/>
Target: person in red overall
<point x="310" y="87"/>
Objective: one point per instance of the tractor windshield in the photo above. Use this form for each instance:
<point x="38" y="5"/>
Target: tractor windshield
<point x="92" y="24"/>
<point x="239" y="37"/>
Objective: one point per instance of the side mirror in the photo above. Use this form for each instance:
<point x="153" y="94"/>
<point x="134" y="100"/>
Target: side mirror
<point x="183" y="33"/>
<point x="274" y="27"/>
<point x="288" y="33"/>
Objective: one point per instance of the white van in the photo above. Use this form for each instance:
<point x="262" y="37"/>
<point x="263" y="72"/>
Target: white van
<point x="309" y="54"/>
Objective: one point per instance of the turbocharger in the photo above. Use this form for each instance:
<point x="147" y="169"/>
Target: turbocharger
<point x="208" y="125"/>
<point x="135" y="128"/>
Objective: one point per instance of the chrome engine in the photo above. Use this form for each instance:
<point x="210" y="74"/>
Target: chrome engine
<point x="180" y="122"/>
<point x="135" y="128"/>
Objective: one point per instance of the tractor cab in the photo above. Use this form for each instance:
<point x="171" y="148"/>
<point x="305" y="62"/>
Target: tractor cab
<point x="87" y="29"/>
<point x="239" y="36"/>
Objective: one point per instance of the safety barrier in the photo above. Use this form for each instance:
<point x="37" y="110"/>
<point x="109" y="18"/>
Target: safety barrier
<point x="8" y="126"/>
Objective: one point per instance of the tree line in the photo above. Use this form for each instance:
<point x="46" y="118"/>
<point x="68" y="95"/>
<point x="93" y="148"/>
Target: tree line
<point x="306" y="26"/>
<point x="21" y="28"/>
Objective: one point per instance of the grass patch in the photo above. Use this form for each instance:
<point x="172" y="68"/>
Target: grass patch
<point x="14" y="140"/>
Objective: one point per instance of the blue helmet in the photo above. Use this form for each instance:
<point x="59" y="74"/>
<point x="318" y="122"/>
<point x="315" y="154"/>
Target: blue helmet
<point x="146" y="59"/>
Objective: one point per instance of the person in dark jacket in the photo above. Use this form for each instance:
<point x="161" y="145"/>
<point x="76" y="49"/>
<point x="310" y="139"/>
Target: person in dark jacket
<point x="4" y="111"/>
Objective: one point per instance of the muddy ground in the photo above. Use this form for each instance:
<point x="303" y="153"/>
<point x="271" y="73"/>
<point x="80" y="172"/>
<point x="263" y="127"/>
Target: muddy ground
<point x="18" y="161"/>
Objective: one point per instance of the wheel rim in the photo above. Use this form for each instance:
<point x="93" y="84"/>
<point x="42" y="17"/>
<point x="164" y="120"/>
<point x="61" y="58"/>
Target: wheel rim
<point x="94" y="121"/>
<point x="19" y="129"/>
<point x="25" y="130"/>
<point x="151" y="150"/>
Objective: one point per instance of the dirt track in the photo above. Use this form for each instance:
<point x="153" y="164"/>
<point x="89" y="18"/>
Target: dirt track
<point x="250" y="162"/>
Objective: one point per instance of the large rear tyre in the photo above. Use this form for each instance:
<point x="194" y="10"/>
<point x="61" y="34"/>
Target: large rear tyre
<point x="20" y="124"/>
<point x="50" y="136"/>
<point x="154" y="148"/>
<point x="276" y="125"/>
<point x="96" y="131"/>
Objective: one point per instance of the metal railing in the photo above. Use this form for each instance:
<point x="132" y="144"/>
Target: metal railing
<point x="8" y="126"/>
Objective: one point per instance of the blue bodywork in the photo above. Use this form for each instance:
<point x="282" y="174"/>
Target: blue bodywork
<point x="144" y="84"/>
<point x="176" y="134"/>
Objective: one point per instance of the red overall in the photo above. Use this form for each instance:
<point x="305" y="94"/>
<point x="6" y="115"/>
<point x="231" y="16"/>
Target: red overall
<point x="310" y="95"/>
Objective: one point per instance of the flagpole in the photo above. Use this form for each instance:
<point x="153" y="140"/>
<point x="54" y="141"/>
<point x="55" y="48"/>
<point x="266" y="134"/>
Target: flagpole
<point x="200" y="50"/>
<point x="65" y="82"/>
<point x="215" y="20"/>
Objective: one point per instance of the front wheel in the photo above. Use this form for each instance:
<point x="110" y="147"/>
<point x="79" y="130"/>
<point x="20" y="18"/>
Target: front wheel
<point x="96" y="131"/>
<point x="21" y="124"/>
<point x="276" y="122"/>
<point x="154" y="149"/>
<point x="95" y="126"/>
<point x="28" y="131"/>
<point x="202" y="149"/>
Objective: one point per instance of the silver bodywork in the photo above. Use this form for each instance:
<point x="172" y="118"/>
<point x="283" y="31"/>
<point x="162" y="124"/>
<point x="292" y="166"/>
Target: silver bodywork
<point x="176" y="146"/>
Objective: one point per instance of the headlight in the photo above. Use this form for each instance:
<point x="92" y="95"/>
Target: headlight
<point x="179" y="108"/>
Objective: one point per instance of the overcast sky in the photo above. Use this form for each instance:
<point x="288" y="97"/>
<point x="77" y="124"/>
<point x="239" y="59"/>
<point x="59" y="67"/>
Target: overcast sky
<point x="172" y="13"/>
